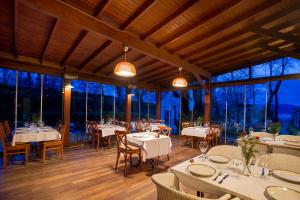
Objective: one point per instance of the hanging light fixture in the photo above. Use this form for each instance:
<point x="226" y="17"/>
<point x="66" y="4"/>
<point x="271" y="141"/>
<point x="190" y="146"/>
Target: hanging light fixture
<point x="179" y="81"/>
<point x="124" y="68"/>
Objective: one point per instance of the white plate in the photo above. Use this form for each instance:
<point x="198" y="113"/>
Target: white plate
<point x="218" y="159"/>
<point x="201" y="170"/>
<point x="281" y="193"/>
<point x="292" y="144"/>
<point x="138" y="135"/>
<point x="287" y="175"/>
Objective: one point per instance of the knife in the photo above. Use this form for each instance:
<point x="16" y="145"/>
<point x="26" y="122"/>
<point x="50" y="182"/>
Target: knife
<point x="221" y="181"/>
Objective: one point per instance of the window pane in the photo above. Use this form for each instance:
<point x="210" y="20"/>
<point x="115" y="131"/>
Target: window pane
<point x="78" y="110"/>
<point x="94" y="101"/>
<point x="7" y="97"/>
<point x="218" y="106"/>
<point x="108" y="102"/>
<point x="52" y="100"/>
<point x="29" y="97"/>
<point x="262" y="70"/>
<point x="120" y="96"/>
<point x="135" y="104"/>
<point x="187" y="107"/>
<point x="152" y="105"/>
<point x="144" y="104"/>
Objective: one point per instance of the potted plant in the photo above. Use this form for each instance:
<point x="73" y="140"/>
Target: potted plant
<point x="199" y="121"/>
<point x="275" y="128"/>
<point x="248" y="152"/>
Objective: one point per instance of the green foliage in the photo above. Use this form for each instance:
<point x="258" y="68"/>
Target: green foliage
<point x="248" y="148"/>
<point x="275" y="127"/>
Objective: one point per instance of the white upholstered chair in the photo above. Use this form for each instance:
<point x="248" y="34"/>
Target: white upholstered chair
<point x="282" y="161"/>
<point x="288" y="137"/>
<point x="262" y="134"/>
<point x="167" y="187"/>
<point x="224" y="150"/>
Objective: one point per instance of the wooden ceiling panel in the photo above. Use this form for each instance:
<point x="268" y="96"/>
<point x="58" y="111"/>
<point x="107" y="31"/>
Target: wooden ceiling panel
<point x="63" y="37"/>
<point x="89" y="44"/>
<point x="7" y="25"/>
<point x="33" y="31"/>
<point x="87" y="6"/>
<point x="153" y="16"/>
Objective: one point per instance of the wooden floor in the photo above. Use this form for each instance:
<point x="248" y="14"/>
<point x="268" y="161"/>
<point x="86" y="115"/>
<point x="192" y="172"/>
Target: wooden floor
<point x="86" y="174"/>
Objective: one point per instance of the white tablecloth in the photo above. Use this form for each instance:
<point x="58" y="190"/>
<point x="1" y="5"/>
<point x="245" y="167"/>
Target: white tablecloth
<point x="245" y="187"/>
<point x="283" y="147"/>
<point x="109" y="129"/>
<point x="151" y="146"/>
<point x="153" y="126"/>
<point x="23" y="135"/>
<point x="195" y="131"/>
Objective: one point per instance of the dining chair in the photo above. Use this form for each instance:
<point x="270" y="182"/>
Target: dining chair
<point x="186" y="125"/>
<point x="57" y="145"/>
<point x="9" y="150"/>
<point x="280" y="161"/>
<point x="138" y="126"/>
<point x="210" y="137"/>
<point x="167" y="187"/>
<point x="224" y="150"/>
<point x="165" y="130"/>
<point x="126" y="149"/>
<point x="7" y="131"/>
<point x="218" y="133"/>
<point x="262" y="134"/>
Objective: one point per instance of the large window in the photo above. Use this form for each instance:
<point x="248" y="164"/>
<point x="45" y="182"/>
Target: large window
<point x="94" y="102"/>
<point x="152" y="105"/>
<point x="120" y="99"/>
<point x="108" y="102"/>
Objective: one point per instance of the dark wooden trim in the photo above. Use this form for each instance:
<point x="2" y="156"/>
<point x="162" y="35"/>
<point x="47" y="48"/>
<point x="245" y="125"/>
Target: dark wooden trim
<point x="281" y="51"/>
<point x="110" y="61"/>
<point x="15" y="22"/>
<point x="53" y="27"/>
<point x="137" y="13"/>
<point x="68" y="13"/>
<point x="101" y="6"/>
<point x="201" y="82"/>
<point x="94" y="54"/>
<point x="266" y="20"/>
<point x="201" y="20"/>
<point x="238" y="19"/>
<point x="147" y="67"/>
<point x="169" y="18"/>
<point x="276" y="34"/>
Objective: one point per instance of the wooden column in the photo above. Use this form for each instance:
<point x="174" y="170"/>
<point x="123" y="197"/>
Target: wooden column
<point x="158" y="104"/>
<point x="207" y="101"/>
<point x="67" y="108"/>
<point x="128" y="105"/>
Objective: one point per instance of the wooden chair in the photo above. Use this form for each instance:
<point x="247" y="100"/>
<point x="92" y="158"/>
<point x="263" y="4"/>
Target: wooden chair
<point x="7" y="131"/>
<point x="126" y="149"/>
<point x="9" y="150"/>
<point x="210" y="137"/>
<point x="57" y="145"/>
<point x="167" y="132"/>
<point x="138" y="126"/>
<point x="218" y="133"/>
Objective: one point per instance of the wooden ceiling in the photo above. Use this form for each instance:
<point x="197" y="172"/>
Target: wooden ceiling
<point x="204" y="37"/>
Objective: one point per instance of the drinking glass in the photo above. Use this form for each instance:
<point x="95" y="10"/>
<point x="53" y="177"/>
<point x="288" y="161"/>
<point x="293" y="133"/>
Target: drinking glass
<point x="265" y="162"/>
<point x="203" y="146"/>
<point x="236" y="162"/>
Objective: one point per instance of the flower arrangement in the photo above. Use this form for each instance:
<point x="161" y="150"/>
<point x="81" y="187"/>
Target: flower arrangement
<point x="275" y="128"/>
<point x="248" y="152"/>
<point x="199" y="121"/>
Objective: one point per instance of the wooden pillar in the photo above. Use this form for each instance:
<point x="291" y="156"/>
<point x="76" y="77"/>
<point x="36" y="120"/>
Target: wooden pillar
<point x="67" y="108"/>
<point x="128" y="105"/>
<point x="207" y="101"/>
<point x="158" y="104"/>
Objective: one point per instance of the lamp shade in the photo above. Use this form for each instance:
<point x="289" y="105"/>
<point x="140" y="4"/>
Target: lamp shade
<point x="179" y="82"/>
<point x="125" y="69"/>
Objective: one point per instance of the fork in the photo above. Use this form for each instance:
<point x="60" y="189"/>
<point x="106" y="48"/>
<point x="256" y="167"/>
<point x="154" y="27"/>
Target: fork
<point x="219" y="174"/>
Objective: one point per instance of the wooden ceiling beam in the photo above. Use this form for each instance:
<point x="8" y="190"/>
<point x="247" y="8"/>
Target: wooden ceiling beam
<point x="280" y="51"/>
<point x="52" y="30"/>
<point x="15" y="25"/>
<point x="209" y="56"/>
<point x="157" y="70"/>
<point x="161" y="77"/>
<point x="262" y="22"/>
<point x="201" y="82"/>
<point x="95" y="54"/>
<point x="169" y="18"/>
<point x="101" y="6"/>
<point x="147" y="67"/>
<point x="146" y="5"/>
<point x="179" y="33"/>
<point x="236" y="20"/>
<point x="65" y="12"/>
<point x="170" y="77"/>
<point x="276" y="34"/>
<point x="110" y="61"/>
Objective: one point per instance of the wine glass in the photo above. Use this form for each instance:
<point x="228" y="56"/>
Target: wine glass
<point x="236" y="162"/>
<point x="203" y="146"/>
<point x="265" y="162"/>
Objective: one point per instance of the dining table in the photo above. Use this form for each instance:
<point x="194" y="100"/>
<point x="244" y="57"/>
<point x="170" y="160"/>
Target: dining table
<point x="245" y="187"/>
<point x="153" y="126"/>
<point x="34" y="134"/>
<point x="198" y="131"/>
<point x="109" y="129"/>
<point x="151" y="145"/>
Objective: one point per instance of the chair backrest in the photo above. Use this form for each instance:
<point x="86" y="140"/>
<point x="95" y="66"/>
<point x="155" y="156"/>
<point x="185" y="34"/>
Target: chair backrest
<point x="121" y="138"/>
<point x="167" y="187"/>
<point x="126" y="125"/>
<point x="62" y="131"/>
<point x="2" y="138"/>
<point x="7" y="128"/>
<point x="165" y="130"/>
<point x="138" y="126"/>
<point x="185" y="124"/>
<point x="224" y="150"/>
<point x="281" y="161"/>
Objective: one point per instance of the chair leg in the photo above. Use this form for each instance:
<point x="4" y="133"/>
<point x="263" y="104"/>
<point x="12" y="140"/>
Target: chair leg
<point x="62" y="152"/>
<point x="98" y="142"/>
<point x="125" y="155"/>
<point x="4" y="160"/>
<point x="44" y="154"/>
<point x="118" y="155"/>
<point x="130" y="157"/>
<point x="157" y="160"/>
<point x="140" y="160"/>
<point x="168" y="157"/>
<point x="26" y="155"/>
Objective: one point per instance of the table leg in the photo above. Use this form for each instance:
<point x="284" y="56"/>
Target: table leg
<point x="192" y="142"/>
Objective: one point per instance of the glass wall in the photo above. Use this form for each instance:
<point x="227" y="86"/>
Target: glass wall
<point x="108" y="102"/>
<point x="152" y="105"/>
<point x="192" y="105"/>
<point x="94" y="101"/>
<point x="120" y="100"/>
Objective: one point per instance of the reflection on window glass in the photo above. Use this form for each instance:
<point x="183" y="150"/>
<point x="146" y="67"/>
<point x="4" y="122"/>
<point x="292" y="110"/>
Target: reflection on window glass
<point x="94" y="101"/>
<point x="144" y="104"/>
<point x="120" y="95"/>
<point x="152" y="105"/>
<point x="108" y="102"/>
<point x="7" y="97"/>
<point x="135" y="110"/>
<point x="52" y="99"/>
<point x="170" y="110"/>
<point x="29" y="97"/>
